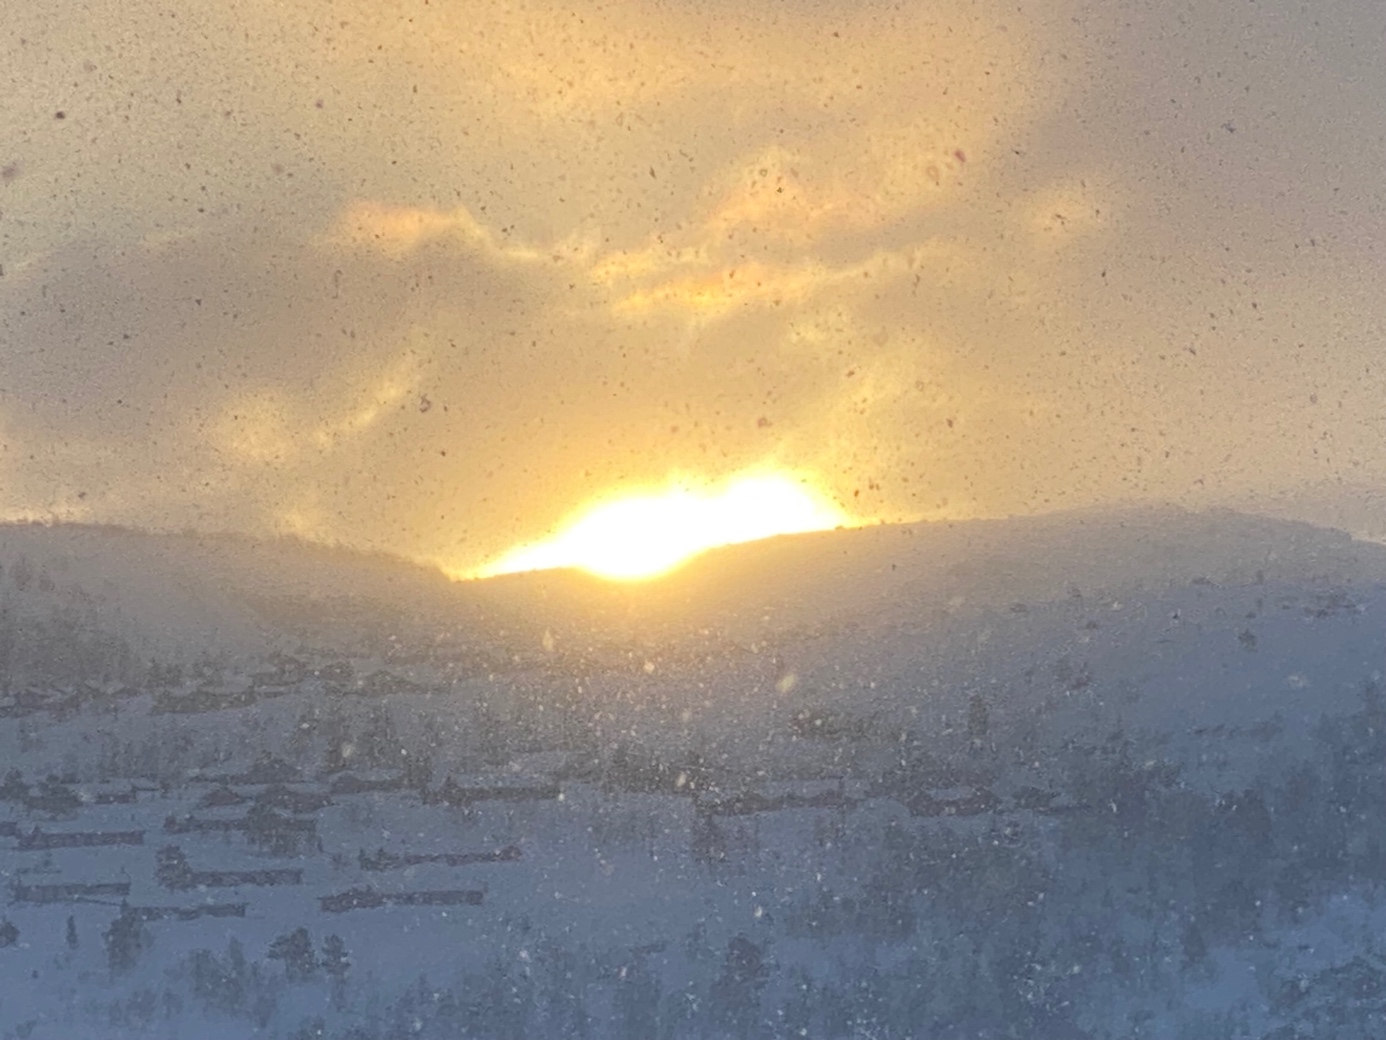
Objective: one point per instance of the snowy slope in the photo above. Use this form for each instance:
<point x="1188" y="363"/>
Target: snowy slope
<point x="1084" y="776"/>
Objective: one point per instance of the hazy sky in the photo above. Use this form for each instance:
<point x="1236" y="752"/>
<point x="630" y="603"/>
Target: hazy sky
<point x="426" y="276"/>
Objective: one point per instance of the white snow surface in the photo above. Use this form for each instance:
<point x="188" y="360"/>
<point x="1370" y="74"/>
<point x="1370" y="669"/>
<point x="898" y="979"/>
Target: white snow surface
<point x="996" y="779"/>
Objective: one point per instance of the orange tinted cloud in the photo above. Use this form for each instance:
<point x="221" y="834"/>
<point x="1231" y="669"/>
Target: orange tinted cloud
<point x="857" y="221"/>
<point x="397" y="230"/>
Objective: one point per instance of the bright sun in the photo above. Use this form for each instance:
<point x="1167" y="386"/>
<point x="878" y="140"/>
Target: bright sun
<point x="646" y="535"/>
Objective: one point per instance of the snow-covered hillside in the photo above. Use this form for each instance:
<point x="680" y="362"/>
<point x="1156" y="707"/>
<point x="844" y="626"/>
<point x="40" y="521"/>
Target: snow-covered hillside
<point x="1094" y="775"/>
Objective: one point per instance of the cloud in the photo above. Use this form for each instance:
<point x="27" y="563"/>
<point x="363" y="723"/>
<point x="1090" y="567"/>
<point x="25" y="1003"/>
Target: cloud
<point x="429" y="280"/>
<point x="713" y="293"/>
<point x="1064" y="211"/>
<point x="397" y="230"/>
<point x="254" y="429"/>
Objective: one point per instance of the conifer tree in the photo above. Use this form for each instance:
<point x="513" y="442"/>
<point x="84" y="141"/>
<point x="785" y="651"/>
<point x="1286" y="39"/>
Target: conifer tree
<point x="335" y="963"/>
<point x="125" y="939"/>
<point x="295" y="949"/>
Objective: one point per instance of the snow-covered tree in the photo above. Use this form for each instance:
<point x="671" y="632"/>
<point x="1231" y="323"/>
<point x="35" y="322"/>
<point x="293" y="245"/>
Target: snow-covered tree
<point x="295" y="949"/>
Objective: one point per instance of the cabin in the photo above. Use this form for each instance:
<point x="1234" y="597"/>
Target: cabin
<point x="284" y="675"/>
<point x="781" y="798"/>
<point x="201" y="825"/>
<point x="173" y="872"/>
<point x="54" y="798"/>
<point x="108" y="794"/>
<point x="352" y="783"/>
<point x="32" y="699"/>
<point x="38" y="839"/>
<point x="382" y="860"/>
<point x="67" y="893"/>
<point x="469" y="794"/>
<point x="267" y="769"/>
<point x="827" y="725"/>
<point x="383" y="684"/>
<point x="13" y="788"/>
<point x="220" y="797"/>
<point x="541" y="763"/>
<point x="203" y="699"/>
<point x="1034" y="799"/>
<point x="279" y="796"/>
<point x="260" y="820"/>
<point x="964" y="801"/>
<point x="368" y="898"/>
<point x="187" y="913"/>
<point x="336" y="672"/>
<point x="104" y="693"/>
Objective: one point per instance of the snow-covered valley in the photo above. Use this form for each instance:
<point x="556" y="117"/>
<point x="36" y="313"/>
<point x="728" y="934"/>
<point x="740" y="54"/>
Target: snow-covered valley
<point x="1087" y="776"/>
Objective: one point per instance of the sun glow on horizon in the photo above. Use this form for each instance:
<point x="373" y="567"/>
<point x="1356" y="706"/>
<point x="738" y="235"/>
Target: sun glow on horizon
<point x="649" y="534"/>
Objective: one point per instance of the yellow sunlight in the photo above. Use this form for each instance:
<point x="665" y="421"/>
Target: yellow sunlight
<point x="646" y="535"/>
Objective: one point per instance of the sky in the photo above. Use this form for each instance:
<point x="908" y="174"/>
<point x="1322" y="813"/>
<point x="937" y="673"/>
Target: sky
<point x="425" y="277"/>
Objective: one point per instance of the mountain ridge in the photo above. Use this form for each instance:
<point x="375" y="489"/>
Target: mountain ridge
<point x="175" y="593"/>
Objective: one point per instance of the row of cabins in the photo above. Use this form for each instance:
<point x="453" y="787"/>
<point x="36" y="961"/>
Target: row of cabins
<point x="367" y="898"/>
<point x="382" y="860"/>
<point x="272" y="807"/>
<point x="60" y="700"/>
<point x="271" y="815"/>
<point x="268" y="685"/>
<point x="56" y="797"/>
<point x="276" y="777"/>
<point x="173" y="871"/>
<point x="465" y="796"/>
<point x="185" y="913"/>
<point x="30" y="701"/>
<point x="70" y="892"/>
<point x="919" y="800"/>
<point x="103" y="892"/>
<point x="37" y="839"/>
<point x="277" y="796"/>
<point x="748" y="802"/>
<point x="259" y="819"/>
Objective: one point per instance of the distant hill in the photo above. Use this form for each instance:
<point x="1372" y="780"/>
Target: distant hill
<point x="71" y="594"/>
<point x="1359" y="509"/>
<point x="75" y="598"/>
<point x="806" y="579"/>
